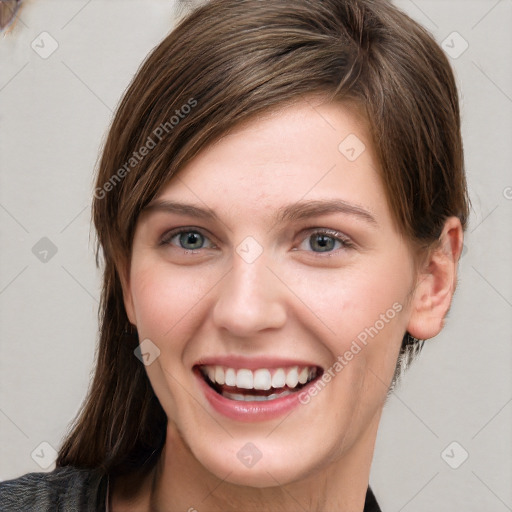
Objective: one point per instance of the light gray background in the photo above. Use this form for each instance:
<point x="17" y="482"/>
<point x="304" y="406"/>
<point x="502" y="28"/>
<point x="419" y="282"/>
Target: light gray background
<point x="54" y="113"/>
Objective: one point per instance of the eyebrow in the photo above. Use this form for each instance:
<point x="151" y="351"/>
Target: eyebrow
<point x="313" y="208"/>
<point x="292" y="212"/>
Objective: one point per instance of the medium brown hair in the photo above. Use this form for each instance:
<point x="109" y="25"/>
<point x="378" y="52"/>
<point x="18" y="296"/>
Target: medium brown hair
<point x="226" y="62"/>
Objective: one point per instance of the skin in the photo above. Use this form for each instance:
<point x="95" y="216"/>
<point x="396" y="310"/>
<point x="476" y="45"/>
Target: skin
<point x="293" y="301"/>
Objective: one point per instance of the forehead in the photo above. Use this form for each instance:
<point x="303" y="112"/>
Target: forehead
<point x="311" y="150"/>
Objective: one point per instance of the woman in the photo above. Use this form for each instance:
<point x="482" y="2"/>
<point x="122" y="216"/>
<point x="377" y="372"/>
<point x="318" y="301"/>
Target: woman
<point x="280" y="208"/>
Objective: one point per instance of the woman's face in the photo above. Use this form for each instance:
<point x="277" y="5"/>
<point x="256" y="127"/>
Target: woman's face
<point x="272" y="259"/>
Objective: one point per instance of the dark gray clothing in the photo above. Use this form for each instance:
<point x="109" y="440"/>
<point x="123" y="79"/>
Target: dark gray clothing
<point x="63" y="490"/>
<point x="72" y="490"/>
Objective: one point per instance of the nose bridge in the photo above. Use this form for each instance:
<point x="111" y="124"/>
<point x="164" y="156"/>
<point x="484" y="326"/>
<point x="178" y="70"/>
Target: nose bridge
<point x="249" y="298"/>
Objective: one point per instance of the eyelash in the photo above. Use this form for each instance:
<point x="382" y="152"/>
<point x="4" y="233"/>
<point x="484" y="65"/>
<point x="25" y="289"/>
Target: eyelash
<point x="345" y="242"/>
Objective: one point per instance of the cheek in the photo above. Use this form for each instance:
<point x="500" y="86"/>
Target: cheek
<point x="351" y="301"/>
<point x="167" y="307"/>
<point x="364" y="308"/>
<point x="165" y="299"/>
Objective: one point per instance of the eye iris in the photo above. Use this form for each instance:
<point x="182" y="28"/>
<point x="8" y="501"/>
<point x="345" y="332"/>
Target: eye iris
<point x="323" y="242"/>
<point x="193" y="238"/>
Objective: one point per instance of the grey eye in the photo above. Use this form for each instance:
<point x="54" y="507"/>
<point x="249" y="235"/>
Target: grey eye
<point x="190" y="240"/>
<point x="322" y="243"/>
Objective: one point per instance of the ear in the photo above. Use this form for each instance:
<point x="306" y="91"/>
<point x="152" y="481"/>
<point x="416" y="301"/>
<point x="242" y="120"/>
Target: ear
<point x="436" y="283"/>
<point x="124" y="277"/>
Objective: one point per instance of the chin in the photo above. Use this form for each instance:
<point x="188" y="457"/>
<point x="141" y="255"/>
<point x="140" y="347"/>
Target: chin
<point x="278" y="467"/>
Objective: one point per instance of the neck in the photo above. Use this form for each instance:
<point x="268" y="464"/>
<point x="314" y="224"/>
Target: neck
<point x="181" y="483"/>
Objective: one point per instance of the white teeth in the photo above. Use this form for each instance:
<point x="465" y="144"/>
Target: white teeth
<point x="234" y="396"/>
<point x="273" y="396"/>
<point x="303" y="375"/>
<point x="244" y="379"/>
<point x="230" y="377"/>
<point x="260" y="379"/>
<point x="219" y="375"/>
<point x="279" y="378"/>
<point x="255" y="398"/>
<point x="292" y="377"/>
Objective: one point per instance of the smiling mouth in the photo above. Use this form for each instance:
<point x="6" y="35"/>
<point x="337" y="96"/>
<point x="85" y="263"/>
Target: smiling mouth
<point x="259" y="385"/>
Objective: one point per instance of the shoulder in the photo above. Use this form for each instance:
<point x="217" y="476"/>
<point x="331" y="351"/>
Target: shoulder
<point x="67" y="489"/>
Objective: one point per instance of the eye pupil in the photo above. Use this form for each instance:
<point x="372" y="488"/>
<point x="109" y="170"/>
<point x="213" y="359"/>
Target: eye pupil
<point x="323" y="242"/>
<point x="193" y="238"/>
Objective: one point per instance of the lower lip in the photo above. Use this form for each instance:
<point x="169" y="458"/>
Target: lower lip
<point x="250" y="411"/>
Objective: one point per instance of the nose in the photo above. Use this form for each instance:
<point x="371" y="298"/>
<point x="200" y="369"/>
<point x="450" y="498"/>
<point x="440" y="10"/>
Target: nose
<point x="250" y="299"/>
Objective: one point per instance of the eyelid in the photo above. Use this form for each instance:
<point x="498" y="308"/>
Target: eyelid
<point x="327" y="231"/>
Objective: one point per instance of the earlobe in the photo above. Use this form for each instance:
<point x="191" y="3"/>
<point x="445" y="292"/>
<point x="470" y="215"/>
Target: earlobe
<point x="436" y="283"/>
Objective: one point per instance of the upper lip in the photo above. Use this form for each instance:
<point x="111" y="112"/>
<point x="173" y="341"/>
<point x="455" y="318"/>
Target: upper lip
<point x="253" y="363"/>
